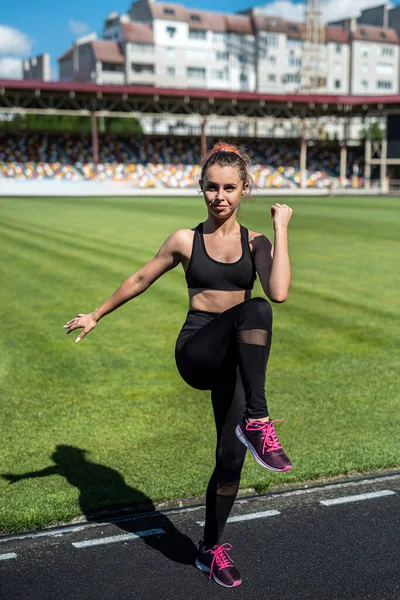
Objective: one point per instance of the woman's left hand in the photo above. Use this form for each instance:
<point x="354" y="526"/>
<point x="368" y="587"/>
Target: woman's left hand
<point x="281" y="215"/>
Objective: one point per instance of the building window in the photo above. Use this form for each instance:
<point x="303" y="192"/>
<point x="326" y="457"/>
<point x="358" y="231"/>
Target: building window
<point x="384" y="85"/>
<point x="272" y="60"/>
<point x="244" y="78"/>
<point x="294" y="61"/>
<point x="384" y="51"/>
<point x="195" y="18"/>
<point x="219" y="36"/>
<point x="364" y="51"/>
<point x="171" y="52"/>
<point x="112" y="67"/>
<point x="291" y="78"/>
<point x="384" y="69"/>
<point x="171" y="31"/>
<point x="338" y="84"/>
<point x="142" y="68"/>
<point x="338" y="49"/>
<point x="222" y="55"/>
<point x="364" y="84"/>
<point x="294" y="44"/>
<point x="145" y="48"/>
<point x="262" y="52"/>
<point x="242" y="58"/>
<point x="271" y="78"/>
<point x="197" y="34"/>
<point x="365" y="68"/>
<point x="271" y="40"/>
<point x="171" y="71"/>
<point x="196" y="73"/>
<point x="220" y="74"/>
<point x="169" y="11"/>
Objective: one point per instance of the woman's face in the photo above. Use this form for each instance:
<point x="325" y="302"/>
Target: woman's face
<point x="222" y="188"/>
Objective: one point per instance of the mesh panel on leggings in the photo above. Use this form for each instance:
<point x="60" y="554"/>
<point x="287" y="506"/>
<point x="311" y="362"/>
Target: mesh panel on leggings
<point x="257" y="337"/>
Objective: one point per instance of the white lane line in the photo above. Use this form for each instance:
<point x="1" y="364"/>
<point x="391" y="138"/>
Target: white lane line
<point x="117" y="538"/>
<point x="256" y="515"/>
<point x="8" y="556"/>
<point x="357" y="497"/>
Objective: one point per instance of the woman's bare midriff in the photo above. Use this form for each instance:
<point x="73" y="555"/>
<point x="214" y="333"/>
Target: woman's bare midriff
<point x="215" y="300"/>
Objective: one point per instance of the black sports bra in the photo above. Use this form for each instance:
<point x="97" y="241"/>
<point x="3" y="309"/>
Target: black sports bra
<point x="206" y="273"/>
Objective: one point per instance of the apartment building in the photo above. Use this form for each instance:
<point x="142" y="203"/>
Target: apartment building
<point x="37" y="67"/>
<point x="169" y="45"/>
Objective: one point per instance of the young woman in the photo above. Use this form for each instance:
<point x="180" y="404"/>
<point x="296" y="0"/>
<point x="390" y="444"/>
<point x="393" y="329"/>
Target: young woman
<point x="225" y="341"/>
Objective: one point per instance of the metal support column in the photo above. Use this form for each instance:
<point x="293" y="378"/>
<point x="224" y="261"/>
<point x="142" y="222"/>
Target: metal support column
<point x="367" y="170"/>
<point x="343" y="162"/>
<point x="303" y="155"/>
<point x="203" y="136"/>
<point x="95" y="141"/>
<point x="343" y="153"/>
<point x="384" y="179"/>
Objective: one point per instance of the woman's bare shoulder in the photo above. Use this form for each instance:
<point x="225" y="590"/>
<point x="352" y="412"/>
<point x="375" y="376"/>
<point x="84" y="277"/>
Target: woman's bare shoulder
<point x="182" y="241"/>
<point x="257" y="238"/>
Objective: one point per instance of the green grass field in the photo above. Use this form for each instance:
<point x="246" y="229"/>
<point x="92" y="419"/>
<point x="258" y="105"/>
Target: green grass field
<point x="333" y="373"/>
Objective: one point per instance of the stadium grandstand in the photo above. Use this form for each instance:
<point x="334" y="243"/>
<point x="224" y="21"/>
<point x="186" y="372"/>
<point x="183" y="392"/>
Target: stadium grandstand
<point x="154" y="162"/>
<point x="172" y="161"/>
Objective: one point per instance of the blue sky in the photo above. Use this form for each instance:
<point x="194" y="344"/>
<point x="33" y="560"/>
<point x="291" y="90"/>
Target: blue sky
<point x="29" y="28"/>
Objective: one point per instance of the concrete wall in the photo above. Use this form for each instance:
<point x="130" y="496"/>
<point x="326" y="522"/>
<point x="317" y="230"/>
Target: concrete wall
<point x="13" y="188"/>
<point x="369" y="65"/>
<point x="339" y="68"/>
<point x="139" y="11"/>
<point x="394" y="18"/>
<point x="377" y="15"/>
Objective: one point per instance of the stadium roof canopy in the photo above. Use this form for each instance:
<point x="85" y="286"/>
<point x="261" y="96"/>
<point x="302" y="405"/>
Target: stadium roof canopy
<point x="78" y="98"/>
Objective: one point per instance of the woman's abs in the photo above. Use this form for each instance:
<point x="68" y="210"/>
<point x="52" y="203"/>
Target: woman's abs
<point x="217" y="301"/>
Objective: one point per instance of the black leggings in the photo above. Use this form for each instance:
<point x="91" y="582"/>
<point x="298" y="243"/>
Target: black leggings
<point x="227" y="353"/>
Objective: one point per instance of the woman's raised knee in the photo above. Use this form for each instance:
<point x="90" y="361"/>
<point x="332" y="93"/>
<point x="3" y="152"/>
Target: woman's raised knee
<point x="258" y="314"/>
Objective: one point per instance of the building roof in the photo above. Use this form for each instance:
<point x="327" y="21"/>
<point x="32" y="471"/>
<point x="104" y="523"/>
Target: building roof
<point x="107" y="51"/>
<point x="370" y="33"/>
<point x="239" y="24"/>
<point x="170" y="12"/>
<point x="141" y="33"/>
<point x="68" y="54"/>
<point x="338" y="35"/>
<point x="103" y="50"/>
<point x="202" y="19"/>
<point x="293" y="29"/>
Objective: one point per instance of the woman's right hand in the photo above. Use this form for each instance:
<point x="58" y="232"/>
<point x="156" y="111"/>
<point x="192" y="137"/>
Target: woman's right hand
<point x="87" y="322"/>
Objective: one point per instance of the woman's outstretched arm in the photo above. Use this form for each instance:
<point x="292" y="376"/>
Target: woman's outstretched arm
<point x="167" y="258"/>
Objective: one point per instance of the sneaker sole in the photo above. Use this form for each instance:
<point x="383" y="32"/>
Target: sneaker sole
<point x="205" y="569"/>
<point x="245" y="441"/>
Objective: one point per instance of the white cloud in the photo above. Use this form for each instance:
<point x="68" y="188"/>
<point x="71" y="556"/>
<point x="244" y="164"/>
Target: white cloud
<point x="333" y="10"/>
<point x="77" y="27"/>
<point x="13" y="41"/>
<point x="284" y="9"/>
<point x="10" y="68"/>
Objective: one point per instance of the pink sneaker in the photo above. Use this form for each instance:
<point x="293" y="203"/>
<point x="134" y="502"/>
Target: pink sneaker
<point x="217" y="562"/>
<point x="261" y="439"/>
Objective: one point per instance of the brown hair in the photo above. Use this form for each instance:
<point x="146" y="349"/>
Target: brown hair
<point x="228" y="155"/>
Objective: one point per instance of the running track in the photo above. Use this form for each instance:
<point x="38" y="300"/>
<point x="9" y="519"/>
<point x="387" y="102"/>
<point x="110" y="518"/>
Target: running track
<point x="335" y="542"/>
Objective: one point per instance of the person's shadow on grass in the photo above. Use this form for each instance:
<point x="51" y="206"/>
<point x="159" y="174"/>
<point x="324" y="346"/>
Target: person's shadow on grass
<point x="103" y="487"/>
